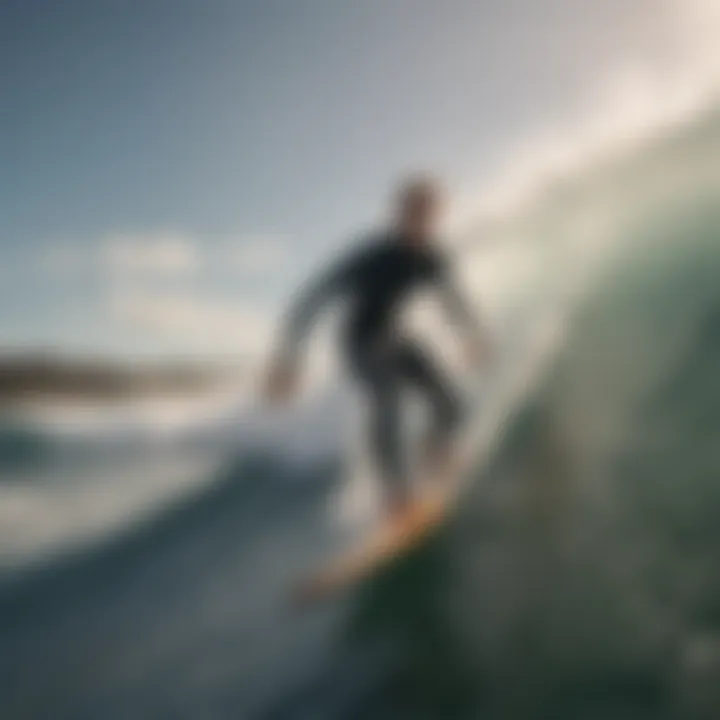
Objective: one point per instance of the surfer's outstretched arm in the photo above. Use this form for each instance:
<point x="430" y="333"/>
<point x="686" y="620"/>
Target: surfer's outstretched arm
<point x="308" y="305"/>
<point x="311" y="300"/>
<point x="282" y="378"/>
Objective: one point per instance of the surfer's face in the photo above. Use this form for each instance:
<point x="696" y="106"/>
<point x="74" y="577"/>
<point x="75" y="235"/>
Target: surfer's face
<point x="420" y="213"/>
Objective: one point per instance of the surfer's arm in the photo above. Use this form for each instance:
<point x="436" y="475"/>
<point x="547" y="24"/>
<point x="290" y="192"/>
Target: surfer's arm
<point x="462" y="316"/>
<point x="307" y="307"/>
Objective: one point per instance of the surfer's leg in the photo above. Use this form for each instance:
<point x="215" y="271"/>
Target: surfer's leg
<point x="386" y="443"/>
<point x="446" y="409"/>
<point x="381" y="380"/>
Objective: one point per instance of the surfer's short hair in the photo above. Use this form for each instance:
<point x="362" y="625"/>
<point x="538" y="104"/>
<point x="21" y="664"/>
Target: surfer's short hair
<point x="418" y="189"/>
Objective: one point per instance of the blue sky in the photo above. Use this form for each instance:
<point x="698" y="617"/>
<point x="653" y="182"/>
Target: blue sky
<point x="170" y="166"/>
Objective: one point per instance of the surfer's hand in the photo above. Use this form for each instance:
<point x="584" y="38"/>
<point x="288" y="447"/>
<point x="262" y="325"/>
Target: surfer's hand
<point x="281" y="383"/>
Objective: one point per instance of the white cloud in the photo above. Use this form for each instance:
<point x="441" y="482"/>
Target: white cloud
<point x="257" y="253"/>
<point x="185" y="317"/>
<point x="153" y="253"/>
<point x="163" y="254"/>
<point x="203" y="323"/>
<point x="146" y="289"/>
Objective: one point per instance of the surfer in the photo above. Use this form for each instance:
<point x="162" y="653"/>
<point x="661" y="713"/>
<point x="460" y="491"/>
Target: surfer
<point x="376" y="280"/>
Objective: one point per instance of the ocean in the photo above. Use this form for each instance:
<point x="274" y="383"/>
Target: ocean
<point x="145" y="576"/>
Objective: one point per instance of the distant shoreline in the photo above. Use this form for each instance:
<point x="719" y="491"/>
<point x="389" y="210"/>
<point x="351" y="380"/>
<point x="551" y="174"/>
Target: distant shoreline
<point x="30" y="378"/>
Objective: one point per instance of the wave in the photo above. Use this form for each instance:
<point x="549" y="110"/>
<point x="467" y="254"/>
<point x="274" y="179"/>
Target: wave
<point x="581" y="566"/>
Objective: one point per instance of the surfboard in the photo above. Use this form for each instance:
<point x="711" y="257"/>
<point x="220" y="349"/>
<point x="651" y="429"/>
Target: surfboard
<point x="385" y="543"/>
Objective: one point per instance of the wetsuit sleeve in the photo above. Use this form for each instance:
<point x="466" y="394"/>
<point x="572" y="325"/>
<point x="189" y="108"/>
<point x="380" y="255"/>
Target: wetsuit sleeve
<point x="311" y="301"/>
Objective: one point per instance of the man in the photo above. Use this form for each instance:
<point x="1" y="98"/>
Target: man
<point x="376" y="280"/>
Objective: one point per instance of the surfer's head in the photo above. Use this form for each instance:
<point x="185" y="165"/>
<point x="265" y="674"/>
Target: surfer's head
<point x="420" y="203"/>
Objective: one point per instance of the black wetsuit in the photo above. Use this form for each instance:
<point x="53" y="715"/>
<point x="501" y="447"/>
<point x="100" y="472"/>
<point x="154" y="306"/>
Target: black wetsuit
<point x="375" y="281"/>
